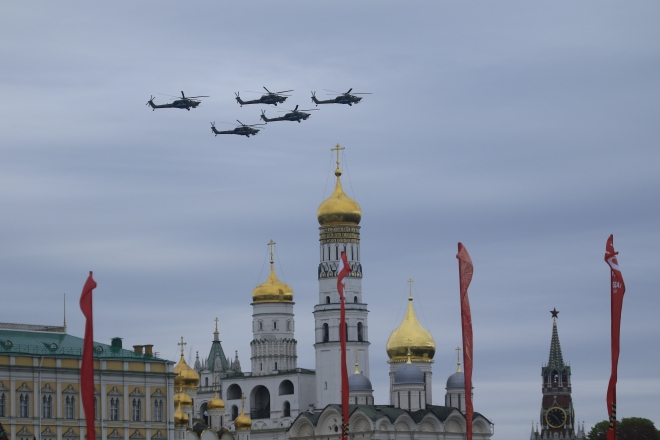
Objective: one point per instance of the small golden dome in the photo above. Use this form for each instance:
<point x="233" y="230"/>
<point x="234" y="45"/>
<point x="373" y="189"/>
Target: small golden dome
<point x="186" y="376"/>
<point x="215" y="403"/>
<point x="410" y="336"/>
<point x="273" y="290"/>
<point x="180" y="418"/>
<point x="339" y="209"/>
<point x="183" y="399"/>
<point x="243" y="422"/>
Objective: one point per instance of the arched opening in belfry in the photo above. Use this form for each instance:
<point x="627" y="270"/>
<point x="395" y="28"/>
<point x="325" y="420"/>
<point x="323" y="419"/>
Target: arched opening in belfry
<point x="260" y="403"/>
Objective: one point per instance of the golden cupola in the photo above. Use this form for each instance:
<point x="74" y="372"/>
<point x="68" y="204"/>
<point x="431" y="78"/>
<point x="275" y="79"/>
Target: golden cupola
<point x="182" y="399"/>
<point x="339" y="209"/>
<point x="410" y="338"/>
<point x="243" y="422"/>
<point x="216" y="402"/>
<point x="180" y="417"/>
<point x="272" y="290"/>
<point x="186" y="376"/>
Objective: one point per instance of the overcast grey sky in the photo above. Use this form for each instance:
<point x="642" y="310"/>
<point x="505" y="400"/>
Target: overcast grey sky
<point x="526" y="130"/>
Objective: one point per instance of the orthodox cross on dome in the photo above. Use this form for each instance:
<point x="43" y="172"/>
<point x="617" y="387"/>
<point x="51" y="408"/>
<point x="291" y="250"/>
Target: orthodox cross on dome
<point x="357" y="370"/>
<point x="410" y="284"/>
<point x="458" y="359"/>
<point x="216" y="324"/>
<point x="271" y="243"/>
<point x="243" y="403"/>
<point x="554" y="312"/>
<point x="181" y="344"/>
<point x="337" y="148"/>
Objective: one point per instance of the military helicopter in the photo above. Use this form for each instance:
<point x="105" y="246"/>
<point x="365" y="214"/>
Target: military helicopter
<point x="293" y="115"/>
<point x="186" y="102"/>
<point x="271" y="98"/>
<point x="242" y="129"/>
<point x="343" y="98"/>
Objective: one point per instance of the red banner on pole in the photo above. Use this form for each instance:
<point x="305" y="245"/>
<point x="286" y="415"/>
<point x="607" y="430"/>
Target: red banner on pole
<point x="342" y="270"/>
<point x="87" y="368"/>
<point x="465" y="276"/>
<point x="618" y="289"/>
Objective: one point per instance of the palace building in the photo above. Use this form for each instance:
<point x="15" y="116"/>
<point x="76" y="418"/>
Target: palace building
<point x="279" y="400"/>
<point x="40" y="387"/>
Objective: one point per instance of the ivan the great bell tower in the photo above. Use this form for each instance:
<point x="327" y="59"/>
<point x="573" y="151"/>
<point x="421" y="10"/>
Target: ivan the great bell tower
<point x="339" y="218"/>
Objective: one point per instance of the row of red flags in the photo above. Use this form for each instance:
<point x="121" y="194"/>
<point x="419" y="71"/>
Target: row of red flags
<point x="465" y="270"/>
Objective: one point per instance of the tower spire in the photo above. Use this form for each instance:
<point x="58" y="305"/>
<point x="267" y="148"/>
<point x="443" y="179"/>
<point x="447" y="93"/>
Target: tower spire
<point x="555" y="360"/>
<point x="65" y="312"/>
<point x="458" y="359"/>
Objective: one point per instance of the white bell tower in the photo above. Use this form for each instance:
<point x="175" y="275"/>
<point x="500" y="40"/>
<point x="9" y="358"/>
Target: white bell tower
<point x="339" y="217"/>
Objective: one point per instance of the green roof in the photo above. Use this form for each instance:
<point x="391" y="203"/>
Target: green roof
<point x="555" y="360"/>
<point x="53" y="342"/>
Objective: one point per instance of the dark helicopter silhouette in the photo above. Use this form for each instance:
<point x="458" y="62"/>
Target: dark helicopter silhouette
<point x="242" y="129"/>
<point x="186" y="102"/>
<point x="342" y="98"/>
<point x="293" y="115"/>
<point x="271" y="98"/>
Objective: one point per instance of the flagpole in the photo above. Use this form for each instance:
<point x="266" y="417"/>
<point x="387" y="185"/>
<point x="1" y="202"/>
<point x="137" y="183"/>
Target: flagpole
<point x="465" y="270"/>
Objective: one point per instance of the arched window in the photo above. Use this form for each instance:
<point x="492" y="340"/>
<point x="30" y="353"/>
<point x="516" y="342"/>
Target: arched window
<point x="261" y="325"/>
<point x="137" y="410"/>
<point x="234" y="392"/>
<point x="47" y="407"/>
<point x="288" y="325"/>
<point x="114" y="409"/>
<point x="96" y="408"/>
<point x="206" y="381"/>
<point x="3" y="404"/>
<point x="274" y="325"/>
<point x="346" y="329"/>
<point x="359" y="330"/>
<point x="286" y="387"/>
<point x="326" y="333"/>
<point x="355" y="299"/>
<point x="286" y="410"/>
<point x="327" y="300"/>
<point x="275" y="366"/>
<point x="69" y="407"/>
<point x="158" y="410"/>
<point x="564" y="378"/>
<point x="24" y="405"/>
<point x="234" y="412"/>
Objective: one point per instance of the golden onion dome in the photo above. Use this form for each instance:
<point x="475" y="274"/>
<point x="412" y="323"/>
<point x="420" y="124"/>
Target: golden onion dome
<point x="183" y="399"/>
<point x="215" y="403"/>
<point x="186" y="376"/>
<point x="410" y="335"/>
<point x="339" y="209"/>
<point x="272" y="290"/>
<point x="243" y="422"/>
<point x="180" y="418"/>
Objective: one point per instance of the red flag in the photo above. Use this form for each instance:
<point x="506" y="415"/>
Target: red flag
<point x="618" y="288"/>
<point x="87" y="368"/>
<point x="465" y="277"/>
<point x="342" y="270"/>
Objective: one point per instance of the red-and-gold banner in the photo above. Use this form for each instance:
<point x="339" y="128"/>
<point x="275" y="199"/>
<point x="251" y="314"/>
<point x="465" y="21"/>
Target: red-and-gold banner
<point x="618" y="289"/>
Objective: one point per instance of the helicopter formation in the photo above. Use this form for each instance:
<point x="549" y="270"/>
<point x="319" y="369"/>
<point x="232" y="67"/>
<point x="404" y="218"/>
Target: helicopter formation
<point x="270" y="98"/>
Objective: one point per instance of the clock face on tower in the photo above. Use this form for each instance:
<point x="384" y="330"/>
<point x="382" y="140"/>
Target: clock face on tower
<point x="555" y="417"/>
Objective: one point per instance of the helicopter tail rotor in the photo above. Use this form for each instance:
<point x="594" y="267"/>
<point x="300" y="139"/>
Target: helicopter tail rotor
<point x="238" y="99"/>
<point x="151" y="103"/>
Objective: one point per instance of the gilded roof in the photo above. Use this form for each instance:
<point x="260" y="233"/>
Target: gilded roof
<point x="410" y="335"/>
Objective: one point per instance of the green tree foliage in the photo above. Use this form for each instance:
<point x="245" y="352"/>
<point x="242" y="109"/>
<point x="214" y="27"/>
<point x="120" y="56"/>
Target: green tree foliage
<point x="631" y="428"/>
<point x="599" y="431"/>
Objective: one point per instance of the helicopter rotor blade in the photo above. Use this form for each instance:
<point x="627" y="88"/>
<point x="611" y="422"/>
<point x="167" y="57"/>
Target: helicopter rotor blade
<point x="266" y="89"/>
<point x="182" y="95"/>
<point x="283" y="91"/>
<point x="349" y="90"/>
<point x="203" y="96"/>
<point x="338" y="93"/>
<point x="171" y="96"/>
<point x="363" y="93"/>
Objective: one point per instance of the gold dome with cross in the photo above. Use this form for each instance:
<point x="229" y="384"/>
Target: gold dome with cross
<point x="339" y="209"/>
<point x="272" y="290"/>
<point x="410" y="337"/>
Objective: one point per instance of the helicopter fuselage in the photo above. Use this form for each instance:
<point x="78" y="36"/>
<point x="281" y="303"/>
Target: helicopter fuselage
<point x="293" y="116"/>
<point x="265" y="99"/>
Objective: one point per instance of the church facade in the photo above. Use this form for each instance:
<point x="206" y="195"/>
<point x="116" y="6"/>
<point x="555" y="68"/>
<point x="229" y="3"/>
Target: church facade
<point x="279" y="400"/>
